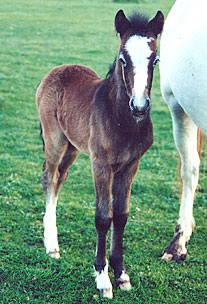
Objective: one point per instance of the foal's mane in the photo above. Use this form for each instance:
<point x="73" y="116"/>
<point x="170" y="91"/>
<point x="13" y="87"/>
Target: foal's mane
<point x="138" y="22"/>
<point x="138" y="26"/>
<point x="111" y="68"/>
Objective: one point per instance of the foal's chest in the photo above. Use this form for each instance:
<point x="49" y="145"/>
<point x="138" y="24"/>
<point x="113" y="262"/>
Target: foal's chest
<point x="125" y="148"/>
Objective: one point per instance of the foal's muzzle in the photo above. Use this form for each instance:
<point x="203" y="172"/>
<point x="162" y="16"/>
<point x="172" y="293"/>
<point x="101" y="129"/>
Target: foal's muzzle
<point x="139" y="112"/>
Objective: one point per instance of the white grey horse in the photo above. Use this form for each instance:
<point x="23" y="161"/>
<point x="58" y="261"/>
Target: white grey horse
<point x="183" y="68"/>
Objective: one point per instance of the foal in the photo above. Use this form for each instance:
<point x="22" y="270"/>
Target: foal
<point x="109" y="119"/>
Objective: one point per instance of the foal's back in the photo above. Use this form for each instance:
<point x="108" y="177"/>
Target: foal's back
<point x="183" y="59"/>
<point x="64" y="99"/>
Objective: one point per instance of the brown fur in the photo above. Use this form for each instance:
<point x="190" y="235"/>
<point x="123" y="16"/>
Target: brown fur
<point x="81" y="112"/>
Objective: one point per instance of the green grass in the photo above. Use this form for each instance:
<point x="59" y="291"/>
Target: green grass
<point x="35" y="36"/>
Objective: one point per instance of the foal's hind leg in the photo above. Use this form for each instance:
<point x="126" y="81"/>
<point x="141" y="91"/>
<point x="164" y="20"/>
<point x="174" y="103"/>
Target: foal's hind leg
<point x="121" y="193"/>
<point x="59" y="155"/>
<point x="185" y="136"/>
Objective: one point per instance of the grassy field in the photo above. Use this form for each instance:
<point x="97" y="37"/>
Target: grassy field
<point x="35" y="36"/>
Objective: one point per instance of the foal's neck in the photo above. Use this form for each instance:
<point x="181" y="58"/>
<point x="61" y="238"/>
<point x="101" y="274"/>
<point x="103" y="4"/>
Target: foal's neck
<point x="120" y="102"/>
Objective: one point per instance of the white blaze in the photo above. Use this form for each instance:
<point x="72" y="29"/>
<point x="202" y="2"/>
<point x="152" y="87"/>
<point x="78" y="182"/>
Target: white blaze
<point x="139" y="51"/>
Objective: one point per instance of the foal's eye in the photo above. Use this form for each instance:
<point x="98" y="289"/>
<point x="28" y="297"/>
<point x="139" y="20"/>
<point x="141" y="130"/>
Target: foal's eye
<point x="122" y="60"/>
<point x="157" y="59"/>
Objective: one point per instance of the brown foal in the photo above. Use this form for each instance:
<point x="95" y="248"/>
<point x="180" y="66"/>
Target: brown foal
<point x="109" y="119"/>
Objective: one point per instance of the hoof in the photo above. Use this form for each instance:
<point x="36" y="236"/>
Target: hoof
<point x="125" y="286"/>
<point x="176" y="251"/>
<point x="103" y="282"/>
<point x="55" y="254"/>
<point x="106" y="293"/>
<point x="168" y="257"/>
<point x="124" y="282"/>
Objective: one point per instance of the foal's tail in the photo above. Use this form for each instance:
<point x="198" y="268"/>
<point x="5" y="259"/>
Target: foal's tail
<point x="42" y="137"/>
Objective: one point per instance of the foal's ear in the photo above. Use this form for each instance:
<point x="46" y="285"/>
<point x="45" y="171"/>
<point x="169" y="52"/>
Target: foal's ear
<point x="121" y="23"/>
<point x="156" y="24"/>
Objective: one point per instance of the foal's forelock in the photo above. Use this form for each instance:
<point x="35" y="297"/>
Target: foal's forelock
<point x="139" y="51"/>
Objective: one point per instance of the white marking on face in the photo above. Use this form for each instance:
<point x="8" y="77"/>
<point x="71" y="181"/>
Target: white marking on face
<point x="139" y="51"/>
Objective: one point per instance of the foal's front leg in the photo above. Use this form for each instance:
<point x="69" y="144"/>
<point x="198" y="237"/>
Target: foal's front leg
<point x="102" y="181"/>
<point x="121" y="193"/>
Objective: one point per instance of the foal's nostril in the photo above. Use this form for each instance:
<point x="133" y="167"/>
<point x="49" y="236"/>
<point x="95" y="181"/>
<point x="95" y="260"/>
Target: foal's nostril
<point x="147" y="101"/>
<point x="147" y="105"/>
<point x="139" y="111"/>
<point x="131" y="103"/>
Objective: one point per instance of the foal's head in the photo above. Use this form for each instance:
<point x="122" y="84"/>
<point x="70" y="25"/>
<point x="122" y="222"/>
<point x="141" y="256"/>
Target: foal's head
<point x="137" y="58"/>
